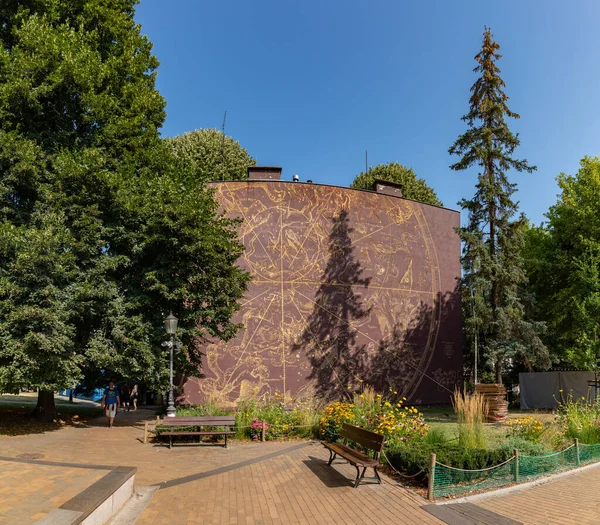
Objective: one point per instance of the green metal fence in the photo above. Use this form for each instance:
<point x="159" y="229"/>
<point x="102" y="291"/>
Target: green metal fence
<point x="445" y="480"/>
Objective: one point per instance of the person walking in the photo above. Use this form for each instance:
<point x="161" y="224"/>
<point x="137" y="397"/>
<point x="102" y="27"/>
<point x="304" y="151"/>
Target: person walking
<point x="134" y="397"/>
<point x="111" y="401"/>
<point x="125" y="397"/>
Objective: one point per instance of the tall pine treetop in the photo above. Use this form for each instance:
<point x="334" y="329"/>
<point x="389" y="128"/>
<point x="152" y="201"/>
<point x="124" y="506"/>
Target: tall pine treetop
<point x="494" y="308"/>
<point x="488" y="139"/>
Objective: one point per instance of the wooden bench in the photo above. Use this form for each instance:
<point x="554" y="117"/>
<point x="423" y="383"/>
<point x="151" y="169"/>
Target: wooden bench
<point x="198" y="422"/>
<point x="368" y="440"/>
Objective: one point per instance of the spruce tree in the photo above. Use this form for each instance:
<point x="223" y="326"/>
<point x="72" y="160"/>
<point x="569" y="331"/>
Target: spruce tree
<point x="493" y="275"/>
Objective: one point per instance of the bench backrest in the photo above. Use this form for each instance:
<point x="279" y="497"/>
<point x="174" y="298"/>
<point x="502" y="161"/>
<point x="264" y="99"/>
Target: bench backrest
<point x="205" y="421"/>
<point x="363" y="437"/>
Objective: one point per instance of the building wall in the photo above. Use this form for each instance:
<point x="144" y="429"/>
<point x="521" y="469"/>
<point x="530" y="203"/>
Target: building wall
<point x="349" y="288"/>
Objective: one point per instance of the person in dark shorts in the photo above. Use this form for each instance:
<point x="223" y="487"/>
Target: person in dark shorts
<point x="125" y="397"/>
<point x="110" y="401"/>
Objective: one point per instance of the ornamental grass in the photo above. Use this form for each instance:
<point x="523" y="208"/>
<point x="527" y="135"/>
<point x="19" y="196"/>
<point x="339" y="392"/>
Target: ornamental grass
<point x="471" y="412"/>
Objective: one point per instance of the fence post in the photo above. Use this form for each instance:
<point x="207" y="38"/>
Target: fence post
<point x="430" y="494"/>
<point x="577" y="459"/>
<point x="262" y="434"/>
<point x="516" y="452"/>
<point x="146" y="432"/>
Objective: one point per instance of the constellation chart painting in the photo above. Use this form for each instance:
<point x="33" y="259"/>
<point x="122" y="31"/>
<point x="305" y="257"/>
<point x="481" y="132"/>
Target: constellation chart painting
<point x="347" y="287"/>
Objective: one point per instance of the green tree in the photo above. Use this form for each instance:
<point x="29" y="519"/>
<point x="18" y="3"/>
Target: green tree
<point x="208" y="155"/>
<point x="494" y="278"/>
<point x="79" y="120"/>
<point x="38" y="284"/>
<point x="563" y="266"/>
<point x="413" y="187"/>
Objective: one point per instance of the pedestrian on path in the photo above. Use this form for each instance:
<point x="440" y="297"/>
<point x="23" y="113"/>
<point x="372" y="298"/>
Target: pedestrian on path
<point x="111" y="401"/>
<point x="134" y="397"/>
<point x="125" y="397"/>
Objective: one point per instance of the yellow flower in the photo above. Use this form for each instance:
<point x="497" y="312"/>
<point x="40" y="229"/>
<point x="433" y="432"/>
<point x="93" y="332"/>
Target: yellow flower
<point x="349" y="387"/>
<point x="583" y="397"/>
<point x="403" y="399"/>
<point x="560" y="390"/>
<point x="360" y="381"/>
<point x="395" y="393"/>
<point x="361" y="396"/>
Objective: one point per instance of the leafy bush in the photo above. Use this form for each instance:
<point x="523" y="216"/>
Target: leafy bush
<point x="527" y="428"/>
<point x="525" y="446"/>
<point x="373" y="412"/>
<point x="296" y="418"/>
<point x="579" y="419"/>
<point x="413" y="458"/>
<point x="436" y="436"/>
<point x="332" y="418"/>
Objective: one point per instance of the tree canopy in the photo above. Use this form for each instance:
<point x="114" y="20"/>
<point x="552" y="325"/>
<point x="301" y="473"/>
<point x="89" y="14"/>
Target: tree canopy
<point x="207" y="155"/>
<point x="100" y="237"/>
<point x="493" y="274"/>
<point x="413" y="187"/>
<point x="563" y="265"/>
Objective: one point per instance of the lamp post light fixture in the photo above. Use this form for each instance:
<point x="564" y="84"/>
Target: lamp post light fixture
<point x="171" y="328"/>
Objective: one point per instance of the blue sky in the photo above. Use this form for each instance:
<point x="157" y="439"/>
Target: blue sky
<point x="310" y="85"/>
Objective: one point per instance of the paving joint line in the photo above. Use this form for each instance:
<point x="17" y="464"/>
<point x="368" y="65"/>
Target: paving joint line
<point x="228" y="468"/>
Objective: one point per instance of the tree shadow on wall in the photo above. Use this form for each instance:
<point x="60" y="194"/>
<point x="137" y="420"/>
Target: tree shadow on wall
<point x="397" y="363"/>
<point x="329" y="339"/>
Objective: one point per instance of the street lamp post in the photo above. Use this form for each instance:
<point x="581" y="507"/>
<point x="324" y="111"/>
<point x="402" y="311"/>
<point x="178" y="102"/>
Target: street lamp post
<point x="171" y="328"/>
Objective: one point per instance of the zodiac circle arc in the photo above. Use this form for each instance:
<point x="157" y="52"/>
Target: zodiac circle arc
<point x="313" y="250"/>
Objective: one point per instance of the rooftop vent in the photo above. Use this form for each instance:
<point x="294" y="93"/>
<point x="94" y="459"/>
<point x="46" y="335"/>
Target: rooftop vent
<point x="264" y="172"/>
<point x="387" y="188"/>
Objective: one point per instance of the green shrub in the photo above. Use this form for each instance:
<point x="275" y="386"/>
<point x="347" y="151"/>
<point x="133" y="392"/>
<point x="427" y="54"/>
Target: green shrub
<point x="436" y="436"/>
<point x="527" y="428"/>
<point x="411" y="459"/>
<point x="298" y="419"/>
<point x="525" y="446"/>
<point x="384" y="415"/>
<point x="579" y="418"/>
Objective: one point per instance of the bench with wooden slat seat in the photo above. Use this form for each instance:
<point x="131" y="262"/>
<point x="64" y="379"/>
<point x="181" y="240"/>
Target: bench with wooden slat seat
<point x="364" y="438"/>
<point x="191" y="422"/>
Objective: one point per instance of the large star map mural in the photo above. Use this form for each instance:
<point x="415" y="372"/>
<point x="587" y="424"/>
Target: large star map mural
<point x="348" y="287"/>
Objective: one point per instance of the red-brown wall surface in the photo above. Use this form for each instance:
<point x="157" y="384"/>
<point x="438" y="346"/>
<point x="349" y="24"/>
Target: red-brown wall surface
<point x="348" y="288"/>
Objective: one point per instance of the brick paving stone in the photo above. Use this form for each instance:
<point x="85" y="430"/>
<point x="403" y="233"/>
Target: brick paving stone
<point x="30" y="491"/>
<point x="573" y="499"/>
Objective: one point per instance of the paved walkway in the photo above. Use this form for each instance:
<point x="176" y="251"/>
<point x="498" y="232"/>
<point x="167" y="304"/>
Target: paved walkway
<point x="261" y="483"/>
<point x="249" y="483"/>
<point x="571" y="500"/>
<point x="29" y="491"/>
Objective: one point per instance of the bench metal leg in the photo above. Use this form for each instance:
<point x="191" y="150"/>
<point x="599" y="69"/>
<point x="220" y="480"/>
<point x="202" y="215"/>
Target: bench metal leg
<point x="332" y="456"/>
<point x="170" y="442"/>
<point x="377" y="475"/>
<point x="359" y="476"/>
<point x="225" y="440"/>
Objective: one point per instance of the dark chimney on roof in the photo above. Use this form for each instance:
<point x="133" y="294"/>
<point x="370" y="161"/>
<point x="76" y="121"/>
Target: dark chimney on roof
<point x="264" y="172"/>
<point x="387" y="188"/>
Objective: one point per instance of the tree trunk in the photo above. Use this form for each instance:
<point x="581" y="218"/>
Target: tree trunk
<point x="498" y="370"/>
<point x="45" y="409"/>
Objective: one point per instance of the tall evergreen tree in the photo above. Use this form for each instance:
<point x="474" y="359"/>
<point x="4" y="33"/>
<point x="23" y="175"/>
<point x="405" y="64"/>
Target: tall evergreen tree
<point x="493" y="268"/>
